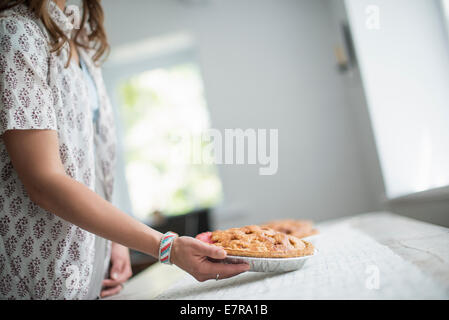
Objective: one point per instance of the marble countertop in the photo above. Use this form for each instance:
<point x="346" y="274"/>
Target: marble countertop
<point x="368" y="256"/>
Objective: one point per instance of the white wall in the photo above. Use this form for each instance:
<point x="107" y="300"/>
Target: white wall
<point x="269" y="64"/>
<point x="404" y="66"/>
<point x="433" y="208"/>
<point x="359" y="115"/>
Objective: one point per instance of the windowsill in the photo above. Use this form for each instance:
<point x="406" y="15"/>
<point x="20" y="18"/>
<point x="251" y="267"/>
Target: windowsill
<point x="440" y="193"/>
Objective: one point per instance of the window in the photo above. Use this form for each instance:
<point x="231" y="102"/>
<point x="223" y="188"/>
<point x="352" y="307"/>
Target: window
<point x="158" y="107"/>
<point x="404" y="64"/>
<point x="445" y="11"/>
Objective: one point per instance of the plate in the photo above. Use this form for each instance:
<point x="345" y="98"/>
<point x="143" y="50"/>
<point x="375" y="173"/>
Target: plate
<point x="271" y="264"/>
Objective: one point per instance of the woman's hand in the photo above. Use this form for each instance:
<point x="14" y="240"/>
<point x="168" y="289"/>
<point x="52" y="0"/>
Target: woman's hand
<point x="119" y="272"/>
<point x="191" y="255"/>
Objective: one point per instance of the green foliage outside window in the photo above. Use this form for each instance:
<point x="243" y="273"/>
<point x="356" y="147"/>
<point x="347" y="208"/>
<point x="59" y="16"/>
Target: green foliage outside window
<point x="163" y="109"/>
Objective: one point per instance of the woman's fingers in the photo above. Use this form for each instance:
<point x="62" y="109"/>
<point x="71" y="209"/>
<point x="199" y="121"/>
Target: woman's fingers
<point x="110" y="291"/>
<point x="192" y="256"/>
<point x="111" y="283"/>
<point x="117" y="276"/>
<point x="224" y="270"/>
<point x="209" y="250"/>
<point x="120" y="272"/>
<point x="116" y="271"/>
<point x="120" y="277"/>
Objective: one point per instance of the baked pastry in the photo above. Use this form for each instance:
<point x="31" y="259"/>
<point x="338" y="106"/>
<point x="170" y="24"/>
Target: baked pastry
<point x="256" y="241"/>
<point x="296" y="228"/>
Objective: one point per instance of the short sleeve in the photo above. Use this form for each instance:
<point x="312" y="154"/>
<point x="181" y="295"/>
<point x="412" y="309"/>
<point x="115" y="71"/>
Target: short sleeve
<point x="26" y="100"/>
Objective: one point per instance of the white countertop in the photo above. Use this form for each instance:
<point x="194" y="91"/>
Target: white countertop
<point x="368" y="256"/>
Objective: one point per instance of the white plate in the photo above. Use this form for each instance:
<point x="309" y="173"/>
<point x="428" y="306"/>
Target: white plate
<point x="271" y="264"/>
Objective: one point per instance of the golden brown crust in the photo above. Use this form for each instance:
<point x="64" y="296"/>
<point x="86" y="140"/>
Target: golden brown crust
<point x="296" y="228"/>
<point x="262" y="242"/>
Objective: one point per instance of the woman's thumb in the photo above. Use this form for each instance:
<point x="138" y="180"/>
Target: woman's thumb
<point x="115" y="270"/>
<point x="211" y="251"/>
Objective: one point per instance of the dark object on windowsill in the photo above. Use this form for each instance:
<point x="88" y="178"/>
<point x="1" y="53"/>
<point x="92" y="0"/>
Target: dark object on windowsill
<point x="189" y="224"/>
<point x="345" y="54"/>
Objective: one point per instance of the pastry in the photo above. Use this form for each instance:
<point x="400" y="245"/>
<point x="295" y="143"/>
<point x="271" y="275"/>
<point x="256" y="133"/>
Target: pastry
<point x="256" y="241"/>
<point x="297" y="228"/>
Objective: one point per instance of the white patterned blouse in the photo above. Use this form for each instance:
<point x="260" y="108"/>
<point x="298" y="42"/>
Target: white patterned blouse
<point x="41" y="255"/>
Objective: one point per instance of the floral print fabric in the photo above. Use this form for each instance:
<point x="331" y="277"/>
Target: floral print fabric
<point x="41" y="255"/>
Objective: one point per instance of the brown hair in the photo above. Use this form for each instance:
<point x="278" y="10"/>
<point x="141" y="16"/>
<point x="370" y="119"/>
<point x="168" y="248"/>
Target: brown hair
<point x="92" y="13"/>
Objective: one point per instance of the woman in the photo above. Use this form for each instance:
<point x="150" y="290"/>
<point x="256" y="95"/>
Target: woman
<point x="57" y="154"/>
